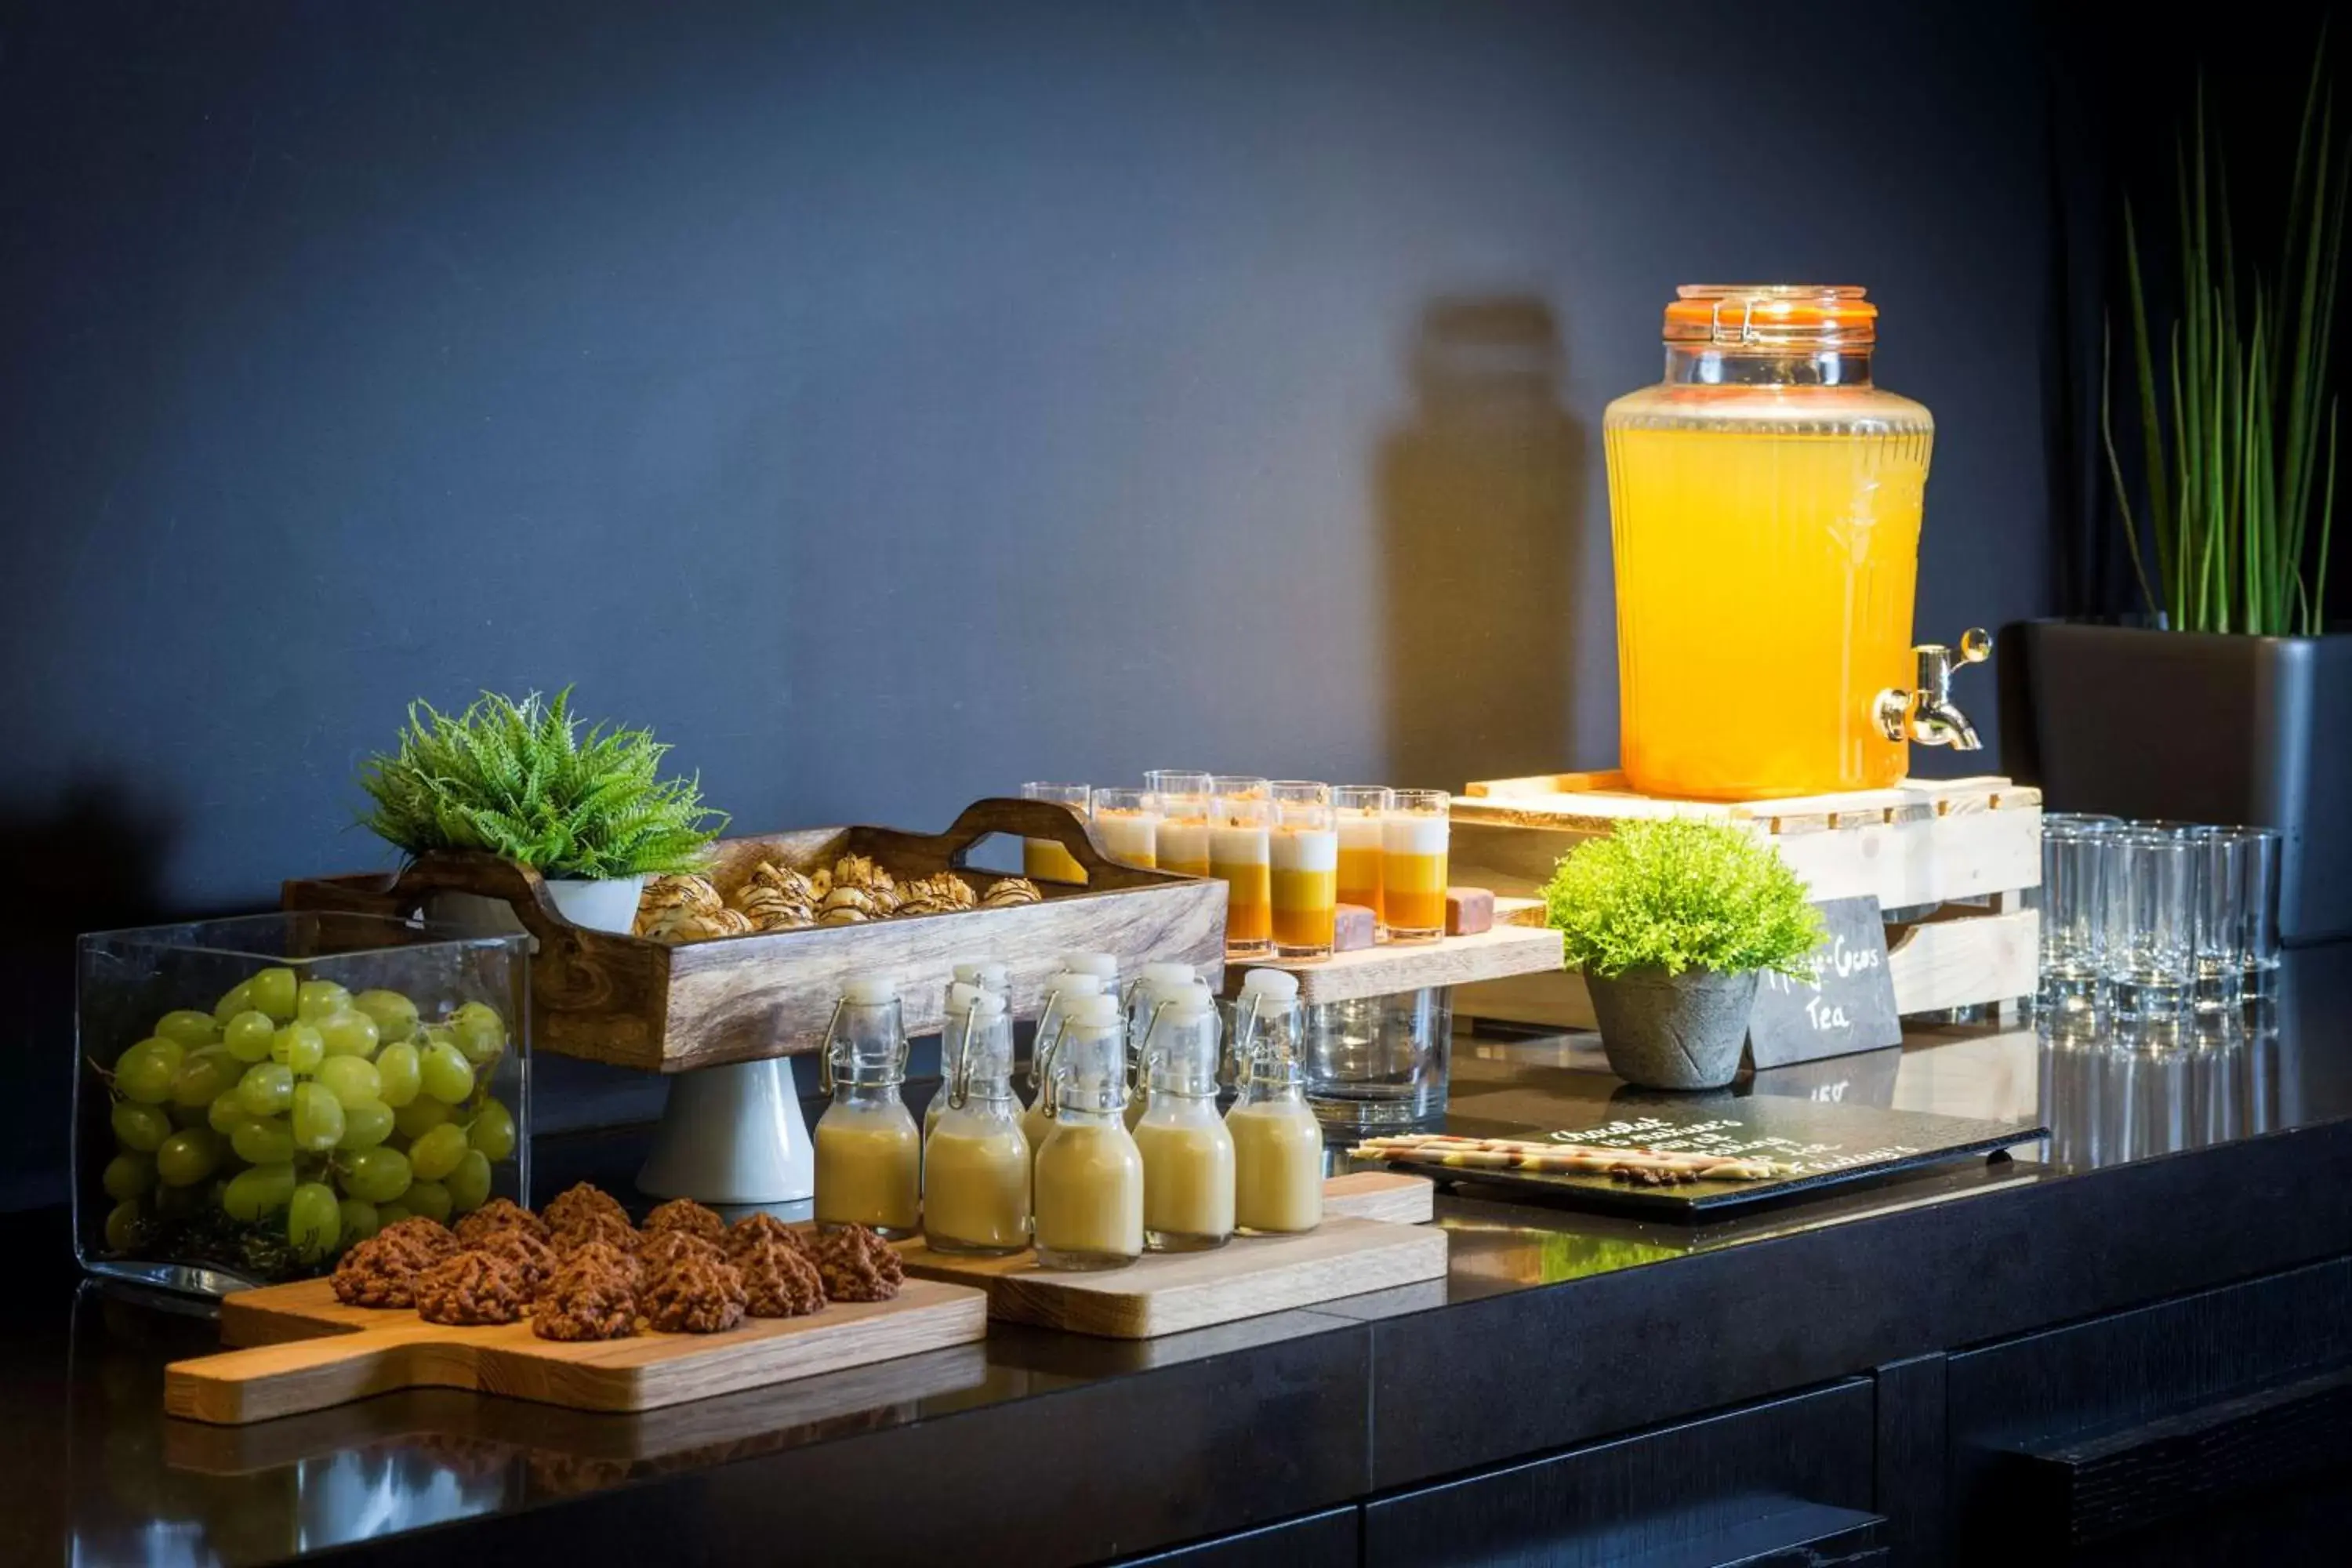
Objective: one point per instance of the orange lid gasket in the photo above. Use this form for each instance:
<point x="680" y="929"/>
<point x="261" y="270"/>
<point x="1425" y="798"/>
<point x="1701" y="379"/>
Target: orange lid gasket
<point x="1764" y="315"/>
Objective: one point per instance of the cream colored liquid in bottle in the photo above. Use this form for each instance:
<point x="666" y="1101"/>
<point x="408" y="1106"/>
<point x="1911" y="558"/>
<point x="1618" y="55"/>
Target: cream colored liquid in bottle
<point x="868" y="1151"/>
<point x="1089" y="1180"/>
<point x="975" y="1160"/>
<point x="1063" y="992"/>
<point x="1277" y="1143"/>
<point x="973" y="975"/>
<point x="1188" y="1156"/>
<point x="1158" y="984"/>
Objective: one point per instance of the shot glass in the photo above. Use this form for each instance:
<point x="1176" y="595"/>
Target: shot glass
<point x="2259" y="850"/>
<point x="1362" y="810"/>
<point x="1305" y="859"/>
<point x="2150" y="878"/>
<point x="1413" y="841"/>
<point x="1042" y="859"/>
<point x="1183" y="839"/>
<point x="1241" y="834"/>
<point x="2218" y="914"/>
<point x="1127" y="823"/>
<point x="2074" y="915"/>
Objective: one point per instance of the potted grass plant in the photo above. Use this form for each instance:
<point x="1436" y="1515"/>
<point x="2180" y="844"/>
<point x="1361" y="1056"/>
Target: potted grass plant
<point x="590" y="813"/>
<point x="1673" y="923"/>
<point x="2229" y="701"/>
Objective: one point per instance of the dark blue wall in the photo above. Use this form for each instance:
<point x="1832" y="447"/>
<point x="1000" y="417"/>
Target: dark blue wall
<point x="891" y="403"/>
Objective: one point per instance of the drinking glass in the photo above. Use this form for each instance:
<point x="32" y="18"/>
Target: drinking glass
<point x="1241" y="831"/>
<point x="1237" y="787"/>
<point x="1127" y="823"/>
<point x="2260" y="849"/>
<point x="1183" y="840"/>
<point x="2073" y="914"/>
<point x="1413" y="843"/>
<point x="1304" y="857"/>
<point x="2149" y="879"/>
<point x="1380" y="1062"/>
<point x="1042" y="859"/>
<point x="2217" y="916"/>
<point x="1361" y="810"/>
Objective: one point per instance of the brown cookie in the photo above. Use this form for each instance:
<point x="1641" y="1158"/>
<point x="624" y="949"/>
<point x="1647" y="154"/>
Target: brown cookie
<point x="469" y="1290"/>
<point x="753" y="1229"/>
<point x="778" y="1281"/>
<point x="686" y="1215"/>
<point x="594" y="1296"/>
<point x="696" y="1295"/>
<point x="528" y="1256"/>
<point x="498" y="1215"/>
<point x="577" y="1203"/>
<point x="857" y="1265"/>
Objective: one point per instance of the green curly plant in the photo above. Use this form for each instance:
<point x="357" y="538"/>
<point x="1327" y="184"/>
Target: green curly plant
<point x="1677" y="894"/>
<point x="518" y="780"/>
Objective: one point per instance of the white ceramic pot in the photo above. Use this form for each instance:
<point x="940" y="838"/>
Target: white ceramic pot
<point x="610" y="905"/>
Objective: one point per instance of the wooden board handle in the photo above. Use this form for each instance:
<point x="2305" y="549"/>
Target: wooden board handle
<point x="296" y="1376"/>
<point x="1048" y="819"/>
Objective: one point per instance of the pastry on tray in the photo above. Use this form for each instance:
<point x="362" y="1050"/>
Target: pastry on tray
<point x="470" y="1290"/>
<point x="500" y="1214"/>
<point x="856" y="1264"/>
<point x="778" y="1281"/>
<point x="699" y="1294"/>
<point x="686" y="1215"/>
<point x="592" y="1296"/>
<point x="577" y="1203"/>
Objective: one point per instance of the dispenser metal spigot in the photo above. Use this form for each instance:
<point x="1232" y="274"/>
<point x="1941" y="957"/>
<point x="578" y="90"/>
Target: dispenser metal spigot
<point x="1925" y="713"/>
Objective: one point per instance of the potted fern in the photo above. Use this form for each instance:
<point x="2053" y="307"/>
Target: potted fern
<point x="591" y="813"/>
<point x="2228" y="701"/>
<point x="1673" y="923"/>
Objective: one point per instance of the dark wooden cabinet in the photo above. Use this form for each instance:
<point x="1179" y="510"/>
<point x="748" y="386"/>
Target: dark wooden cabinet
<point x="1790" y="1476"/>
<point x="2079" y="1442"/>
<point x="1332" y="1539"/>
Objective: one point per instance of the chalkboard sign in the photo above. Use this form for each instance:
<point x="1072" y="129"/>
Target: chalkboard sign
<point x="1848" y="1006"/>
<point x="1821" y="1143"/>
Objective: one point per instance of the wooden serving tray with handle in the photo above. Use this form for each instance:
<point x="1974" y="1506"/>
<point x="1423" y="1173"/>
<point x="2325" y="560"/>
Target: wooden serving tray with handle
<point x="658" y="1008"/>
<point x="309" y="1350"/>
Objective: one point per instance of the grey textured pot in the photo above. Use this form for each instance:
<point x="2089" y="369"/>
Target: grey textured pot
<point x="2199" y="727"/>
<point x="1674" y="1031"/>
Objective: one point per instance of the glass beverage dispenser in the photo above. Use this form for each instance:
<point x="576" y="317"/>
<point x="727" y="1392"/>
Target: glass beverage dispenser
<point x="1764" y="502"/>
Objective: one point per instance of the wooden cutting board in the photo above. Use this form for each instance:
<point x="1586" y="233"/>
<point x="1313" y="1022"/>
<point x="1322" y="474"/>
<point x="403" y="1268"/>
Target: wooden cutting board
<point x="1168" y="1292"/>
<point x="309" y="1350"/>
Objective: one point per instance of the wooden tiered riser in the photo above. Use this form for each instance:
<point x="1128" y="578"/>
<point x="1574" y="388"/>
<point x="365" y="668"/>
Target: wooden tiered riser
<point x="1960" y="853"/>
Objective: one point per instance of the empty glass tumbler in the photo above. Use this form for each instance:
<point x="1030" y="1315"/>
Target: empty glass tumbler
<point x="2259" y="851"/>
<point x="2073" y="913"/>
<point x="2151" y="933"/>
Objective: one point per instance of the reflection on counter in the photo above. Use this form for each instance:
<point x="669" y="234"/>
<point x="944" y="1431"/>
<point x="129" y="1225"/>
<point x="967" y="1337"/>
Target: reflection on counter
<point x="2111" y="1102"/>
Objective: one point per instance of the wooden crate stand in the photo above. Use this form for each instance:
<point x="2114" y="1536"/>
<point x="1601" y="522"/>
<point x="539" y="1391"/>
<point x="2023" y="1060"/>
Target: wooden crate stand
<point x="1952" y="862"/>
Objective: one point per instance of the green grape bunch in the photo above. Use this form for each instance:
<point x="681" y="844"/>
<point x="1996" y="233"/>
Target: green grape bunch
<point x="295" y="1119"/>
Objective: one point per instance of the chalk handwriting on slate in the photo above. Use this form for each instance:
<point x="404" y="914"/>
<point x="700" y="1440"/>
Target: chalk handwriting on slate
<point x="1730" y="1136"/>
<point x="1847" y="1004"/>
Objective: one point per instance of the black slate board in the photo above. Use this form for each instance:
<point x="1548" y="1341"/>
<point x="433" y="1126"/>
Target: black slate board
<point x="1833" y="1144"/>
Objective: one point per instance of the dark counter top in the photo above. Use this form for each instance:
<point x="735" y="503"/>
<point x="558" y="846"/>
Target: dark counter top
<point x="2170" y="1170"/>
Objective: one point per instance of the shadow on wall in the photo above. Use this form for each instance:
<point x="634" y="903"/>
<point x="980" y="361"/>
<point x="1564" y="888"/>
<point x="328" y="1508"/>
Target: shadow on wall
<point x="1482" y="537"/>
<point x="94" y="863"/>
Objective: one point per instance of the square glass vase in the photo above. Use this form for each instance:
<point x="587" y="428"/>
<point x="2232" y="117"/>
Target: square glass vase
<point x="253" y="1096"/>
